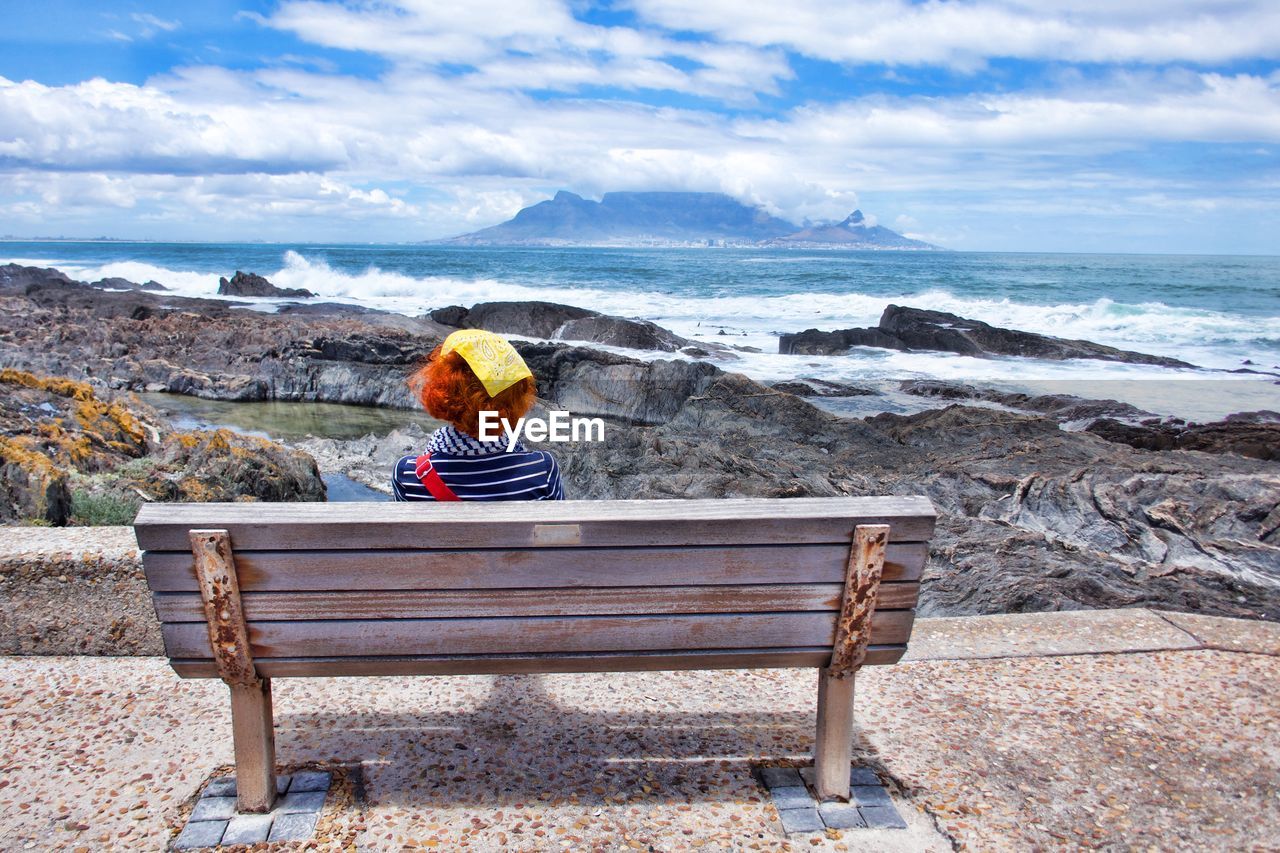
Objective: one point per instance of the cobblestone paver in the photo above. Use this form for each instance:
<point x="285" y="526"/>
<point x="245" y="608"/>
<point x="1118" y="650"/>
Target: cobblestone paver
<point x="297" y="826"/>
<point x="800" y="810"/>
<point x="248" y="828"/>
<point x="214" y="819"/>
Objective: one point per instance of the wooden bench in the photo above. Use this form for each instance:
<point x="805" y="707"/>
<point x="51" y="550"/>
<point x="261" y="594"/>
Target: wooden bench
<point x="575" y="586"/>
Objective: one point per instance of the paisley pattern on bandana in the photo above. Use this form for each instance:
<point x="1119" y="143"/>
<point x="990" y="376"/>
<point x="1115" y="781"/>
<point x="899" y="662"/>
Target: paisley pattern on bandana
<point x="491" y="357"/>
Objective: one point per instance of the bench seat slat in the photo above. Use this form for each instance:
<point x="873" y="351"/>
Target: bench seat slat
<point x="372" y="526"/>
<point x="261" y="571"/>
<point x="337" y="638"/>
<point x="813" y="656"/>
<point x="428" y="604"/>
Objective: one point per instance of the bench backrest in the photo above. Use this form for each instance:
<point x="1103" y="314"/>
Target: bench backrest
<point x="572" y="586"/>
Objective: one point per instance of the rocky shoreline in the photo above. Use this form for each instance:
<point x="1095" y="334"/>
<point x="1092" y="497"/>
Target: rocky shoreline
<point x="1044" y="503"/>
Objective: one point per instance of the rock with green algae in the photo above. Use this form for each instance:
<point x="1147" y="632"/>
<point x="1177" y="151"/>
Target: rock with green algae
<point x="65" y="453"/>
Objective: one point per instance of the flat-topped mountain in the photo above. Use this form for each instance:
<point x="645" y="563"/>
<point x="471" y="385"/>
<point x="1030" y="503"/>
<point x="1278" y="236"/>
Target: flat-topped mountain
<point x="666" y="218"/>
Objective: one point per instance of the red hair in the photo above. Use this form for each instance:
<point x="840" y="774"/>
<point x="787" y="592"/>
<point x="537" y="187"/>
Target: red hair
<point x="450" y="391"/>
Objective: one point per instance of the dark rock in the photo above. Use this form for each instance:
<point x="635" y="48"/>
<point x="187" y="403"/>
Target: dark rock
<point x="1255" y="439"/>
<point x="1262" y="416"/>
<point x="450" y="315"/>
<point x="552" y="321"/>
<point x="621" y="332"/>
<point x="205" y="347"/>
<point x="695" y="352"/>
<point x="252" y="284"/>
<point x="51" y="289"/>
<point x="14" y="277"/>
<point x="530" y="319"/>
<point x="589" y="382"/>
<point x="1144" y="437"/>
<point x="822" y="388"/>
<point x="1063" y="408"/>
<point x="367" y="349"/>
<point x="905" y="328"/>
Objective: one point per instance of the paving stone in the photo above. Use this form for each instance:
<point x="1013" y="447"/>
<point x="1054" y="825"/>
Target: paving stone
<point x="213" y="808"/>
<point x="863" y="776"/>
<point x="293" y="827"/>
<point x="296" y="802"/>
<point x="780" y="777"/>
<point x="841" y="816"/>
<point x="203" y="833"/>
<point x="870" y="795"/>
<point x="857" y="776"/>
<point x="791" y="797"/>
<point x="801" y="820"/>
<point x="882" y="817"/>
<point x="247" y="828"/>
<point x="224" y="786"/>
<point x="311" y="780"/>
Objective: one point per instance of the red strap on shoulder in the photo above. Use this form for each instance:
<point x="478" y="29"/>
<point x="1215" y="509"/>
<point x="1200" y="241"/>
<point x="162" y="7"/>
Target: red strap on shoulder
<point x="431" y="480"/>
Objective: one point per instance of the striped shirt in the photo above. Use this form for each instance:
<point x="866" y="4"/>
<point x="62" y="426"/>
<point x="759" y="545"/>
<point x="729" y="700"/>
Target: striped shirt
<point x="481" y="471"/>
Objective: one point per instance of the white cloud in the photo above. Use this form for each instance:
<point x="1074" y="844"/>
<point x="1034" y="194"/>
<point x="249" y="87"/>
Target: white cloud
<point x="1218" y="108"/>
<point x="119" y="126"/>
<point x="181" y="198"/>
<point x="476" y="204"/>
<point x="966" y="34"/>
<point x="531" y="44"/>
<point x="425" y="129"/>
<point x="151" y="24"/>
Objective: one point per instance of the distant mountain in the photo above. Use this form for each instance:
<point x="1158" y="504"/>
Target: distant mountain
<point x="853" y="232"/>
<point x="673" y="218"/>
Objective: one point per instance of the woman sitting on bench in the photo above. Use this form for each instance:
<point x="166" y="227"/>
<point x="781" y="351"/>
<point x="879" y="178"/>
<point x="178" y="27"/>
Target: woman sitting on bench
<point x="475" y="371"/>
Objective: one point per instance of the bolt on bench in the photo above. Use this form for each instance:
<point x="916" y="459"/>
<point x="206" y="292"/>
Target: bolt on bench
<point x="252" y="592"/>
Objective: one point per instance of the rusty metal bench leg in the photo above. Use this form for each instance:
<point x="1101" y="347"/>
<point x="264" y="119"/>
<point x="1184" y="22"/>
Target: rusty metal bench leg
<point x="252" y="730"/>
<point x="833" y="747"/>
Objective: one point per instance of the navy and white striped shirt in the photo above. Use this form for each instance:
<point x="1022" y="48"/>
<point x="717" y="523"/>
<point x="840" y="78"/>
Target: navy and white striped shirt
<point x="481" y="470"/>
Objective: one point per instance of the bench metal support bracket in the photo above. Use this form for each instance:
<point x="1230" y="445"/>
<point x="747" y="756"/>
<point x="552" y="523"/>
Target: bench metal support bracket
<point x="251" y="716"/>
<point x="833" y="747"/>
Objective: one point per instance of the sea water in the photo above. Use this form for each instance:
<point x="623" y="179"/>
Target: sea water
<point x="1217" y="312"/>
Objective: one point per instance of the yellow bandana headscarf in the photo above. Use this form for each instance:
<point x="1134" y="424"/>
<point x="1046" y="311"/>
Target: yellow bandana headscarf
<point x="491" y="357"/>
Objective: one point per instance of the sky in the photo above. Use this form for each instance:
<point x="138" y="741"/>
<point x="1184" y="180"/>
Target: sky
<point x="988" y="125"/>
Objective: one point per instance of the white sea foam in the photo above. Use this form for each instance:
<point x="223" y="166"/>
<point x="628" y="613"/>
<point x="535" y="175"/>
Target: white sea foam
<point x="1210" y="338"/>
